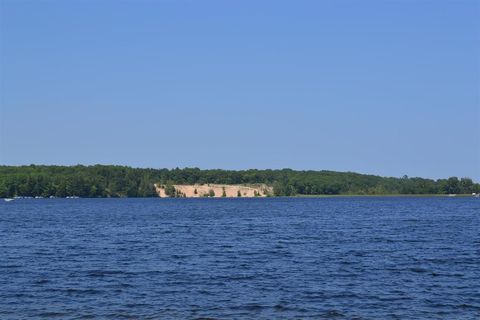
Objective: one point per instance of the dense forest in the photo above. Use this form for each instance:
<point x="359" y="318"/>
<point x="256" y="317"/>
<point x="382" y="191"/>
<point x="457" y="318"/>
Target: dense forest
<point x="120" y="181"/>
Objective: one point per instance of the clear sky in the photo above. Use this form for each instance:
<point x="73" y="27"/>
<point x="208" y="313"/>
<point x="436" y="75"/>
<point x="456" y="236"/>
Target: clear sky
<point x="382" y="87"/>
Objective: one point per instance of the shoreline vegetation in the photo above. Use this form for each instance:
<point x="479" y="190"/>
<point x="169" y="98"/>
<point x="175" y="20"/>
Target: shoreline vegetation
<point x="105" y="181"/>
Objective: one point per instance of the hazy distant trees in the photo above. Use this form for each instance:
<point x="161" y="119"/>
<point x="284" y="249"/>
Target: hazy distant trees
<point x="466" y="185"/>
<point x="284" y="189"/>
<point x="118" y="181"/>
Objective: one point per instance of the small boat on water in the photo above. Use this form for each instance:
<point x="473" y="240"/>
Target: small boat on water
<point x="8" y="199"/>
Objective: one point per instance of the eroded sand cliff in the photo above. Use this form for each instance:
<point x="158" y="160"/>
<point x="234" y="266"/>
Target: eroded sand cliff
<point x="219" y="190"/>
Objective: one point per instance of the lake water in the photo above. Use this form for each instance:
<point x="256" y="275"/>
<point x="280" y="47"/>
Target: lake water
<point x="282" y="258"/>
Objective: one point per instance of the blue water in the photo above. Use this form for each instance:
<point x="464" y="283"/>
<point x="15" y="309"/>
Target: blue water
<point x="282" y="258"/>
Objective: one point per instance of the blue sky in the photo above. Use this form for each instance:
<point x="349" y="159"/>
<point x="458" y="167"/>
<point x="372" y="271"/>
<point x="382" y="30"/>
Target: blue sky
<point x="382" y="87"/>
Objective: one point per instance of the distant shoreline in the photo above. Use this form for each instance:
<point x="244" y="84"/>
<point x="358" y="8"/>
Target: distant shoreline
<point x="268" y="197"/>
<point x="382" y="195"/>
<point x="103" y="181"/>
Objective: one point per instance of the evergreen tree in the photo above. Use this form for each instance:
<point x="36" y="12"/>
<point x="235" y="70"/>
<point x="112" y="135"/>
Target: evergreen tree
<point x="170" y="190"/>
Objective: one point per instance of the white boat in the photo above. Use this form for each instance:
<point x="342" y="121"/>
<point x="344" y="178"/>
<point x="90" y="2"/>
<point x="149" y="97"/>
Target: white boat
<point x="8" y="199"/>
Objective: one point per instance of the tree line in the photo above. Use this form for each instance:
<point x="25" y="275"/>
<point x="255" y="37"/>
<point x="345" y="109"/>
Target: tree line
<point x="121" y="181"/>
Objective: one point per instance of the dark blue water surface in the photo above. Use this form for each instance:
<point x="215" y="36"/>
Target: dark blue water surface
<point x="275" y="258"/>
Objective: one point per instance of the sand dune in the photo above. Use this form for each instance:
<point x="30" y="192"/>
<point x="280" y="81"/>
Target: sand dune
<point x="220" y="190"/>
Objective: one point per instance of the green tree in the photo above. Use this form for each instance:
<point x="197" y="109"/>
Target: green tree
<point x="466" y="186"/>
<point x="170" y="190"/>
<point x="452" y="186"/>
<point x="120" y="181"/>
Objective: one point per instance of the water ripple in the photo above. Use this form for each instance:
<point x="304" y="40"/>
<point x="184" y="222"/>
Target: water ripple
<point x="318" y="258"/>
